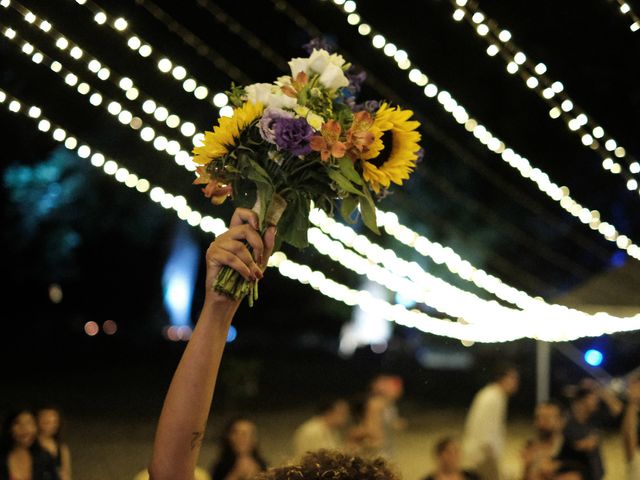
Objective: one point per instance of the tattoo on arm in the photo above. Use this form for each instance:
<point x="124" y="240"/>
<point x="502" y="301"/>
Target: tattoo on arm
<point x="196" y="439"/>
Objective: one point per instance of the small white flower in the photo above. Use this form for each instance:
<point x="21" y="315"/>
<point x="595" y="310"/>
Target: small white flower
<point x="298" y="65"/>
<point x="333" y="77"/>
<point x="269" y="95"/>
<point x="320" y="59"/>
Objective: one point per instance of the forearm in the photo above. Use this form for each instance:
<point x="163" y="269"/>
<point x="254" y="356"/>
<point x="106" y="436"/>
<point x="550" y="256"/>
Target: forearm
<point x="630" y="430"/>
<point x="188" y="401"/>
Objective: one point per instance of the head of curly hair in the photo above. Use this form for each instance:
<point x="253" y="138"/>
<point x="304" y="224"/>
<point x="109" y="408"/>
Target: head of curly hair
<point x="332" y="465"/>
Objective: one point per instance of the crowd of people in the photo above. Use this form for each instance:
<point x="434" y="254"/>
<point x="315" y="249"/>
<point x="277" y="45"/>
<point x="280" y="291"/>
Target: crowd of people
<point x="345" y="440"/>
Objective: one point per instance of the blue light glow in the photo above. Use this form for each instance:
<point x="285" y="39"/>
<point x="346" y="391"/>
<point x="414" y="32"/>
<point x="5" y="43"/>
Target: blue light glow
<point x="233" y="333"/>
<point x="593" y="357"/>
<point x="178" y="278"/>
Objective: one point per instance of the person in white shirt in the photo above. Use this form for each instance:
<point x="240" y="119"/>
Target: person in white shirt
<point x="486" y="424"/>
<point x="322" y="431"/>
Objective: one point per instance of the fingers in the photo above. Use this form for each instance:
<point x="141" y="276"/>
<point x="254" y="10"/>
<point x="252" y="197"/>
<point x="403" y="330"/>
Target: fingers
<point x="244" y="215"/>
<point x="269" y="240"/>
<point x="224" y="257"/>
<point x="238" y="249"/>
<point x="248" y="233"/>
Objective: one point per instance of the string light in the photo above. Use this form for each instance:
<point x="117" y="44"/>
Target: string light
<point x="534" y="75"/>
<point x="148" y="133"/>
<point x="558" y="193"/>
<point x="114" y="108"/>
<point x="625" y="9"/>
<point x="103" y="72"/>
<point x="161" y="143"/>
<point x="487" y="332"/>
<point x="111" y="107"/>
<point x="301" y="273"/>
<point x="399" y="55"/>
<point x="144" y="49"/>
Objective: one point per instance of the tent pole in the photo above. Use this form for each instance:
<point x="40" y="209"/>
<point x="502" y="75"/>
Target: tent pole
<point x="543" y="366"/>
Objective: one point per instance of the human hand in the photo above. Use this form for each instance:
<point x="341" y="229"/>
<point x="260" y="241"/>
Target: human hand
<point x="230" y="249"/>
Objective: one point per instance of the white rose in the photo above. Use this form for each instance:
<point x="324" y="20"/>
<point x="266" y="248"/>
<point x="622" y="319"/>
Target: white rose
<point x="298" y="65"/>
<point x="269" y="96"/>
<point x="320" y="59"/>
<point x="333" y="77"/>
<point x="258" y="92"/>
<point x="278" y="99"/>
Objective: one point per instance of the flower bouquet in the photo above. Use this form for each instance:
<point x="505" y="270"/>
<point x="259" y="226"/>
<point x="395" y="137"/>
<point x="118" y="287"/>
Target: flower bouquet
<point x="303" y="141"/>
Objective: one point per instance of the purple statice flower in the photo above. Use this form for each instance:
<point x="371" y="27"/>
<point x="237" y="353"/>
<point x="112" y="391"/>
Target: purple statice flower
<point x="322" y="43"/>
<point x="356" y="77"/>
<point x="420" y="155"/>
<point x="370" y="106"/>
<point x="266" y="125"/>
<point x="293" y="135"/>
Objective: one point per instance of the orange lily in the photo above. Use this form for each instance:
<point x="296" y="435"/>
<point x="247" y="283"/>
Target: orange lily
<point x="328" y="143"/>
<point x="359" y="136"/>
<point x="214" y="190"/>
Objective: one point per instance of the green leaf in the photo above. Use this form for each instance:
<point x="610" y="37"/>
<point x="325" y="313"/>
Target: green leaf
<point x="347" y="207"/>
<point x="294" y="223"/>
<point x="252" y="171"/>
<point x="348" y="170"/>
<point x="343" y="182"/>
<point x="368" y="211"/>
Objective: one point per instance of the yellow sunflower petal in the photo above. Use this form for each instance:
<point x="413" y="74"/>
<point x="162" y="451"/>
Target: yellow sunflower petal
<point x="402" y="153"/>
<point x="224" y="135"/>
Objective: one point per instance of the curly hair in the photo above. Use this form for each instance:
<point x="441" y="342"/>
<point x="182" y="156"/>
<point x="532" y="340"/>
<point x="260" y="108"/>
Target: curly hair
<point x="332" y="465"/>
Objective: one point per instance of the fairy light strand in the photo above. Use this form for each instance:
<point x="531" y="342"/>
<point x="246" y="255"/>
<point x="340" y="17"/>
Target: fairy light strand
<point x="150" y="106"/>
<point x="317" y="280"/>
<point x="135" y="42"/>
<point x="360" y="242"/>
<point x="593" y="136"/>
<point x="456" y="302"/>
<point x="406" y="285"/>
<point x="292" y="270"/>
<point x="560" y="194"/>
<point x="485" y="281"/>
<point x="625" y="9"/>
<point x="97" y="99"/>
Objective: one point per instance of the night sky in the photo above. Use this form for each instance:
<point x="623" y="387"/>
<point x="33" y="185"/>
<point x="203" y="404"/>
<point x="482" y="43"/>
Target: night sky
<point x="65" y="222"/>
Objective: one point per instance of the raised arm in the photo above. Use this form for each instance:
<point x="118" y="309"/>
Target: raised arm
<point x="186" y="407"/>
<point x="630" y="421"/>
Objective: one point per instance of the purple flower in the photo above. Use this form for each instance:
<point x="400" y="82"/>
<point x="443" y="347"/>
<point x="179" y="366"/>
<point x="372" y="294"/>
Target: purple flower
<point x="356" y="77"/>
<point x="267" y="123"/>
<point x="370" y="106"/>
<point x="293" y="135"/>
<point x="322" y="43"/>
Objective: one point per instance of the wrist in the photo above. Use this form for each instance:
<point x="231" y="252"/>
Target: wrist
<point x="219" y="306"/>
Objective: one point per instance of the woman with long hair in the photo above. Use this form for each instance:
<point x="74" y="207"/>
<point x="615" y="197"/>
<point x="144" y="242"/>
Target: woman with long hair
<point x="239" y="457"/>
<point x="50" y="439"/>
<point x="21" y="458"/>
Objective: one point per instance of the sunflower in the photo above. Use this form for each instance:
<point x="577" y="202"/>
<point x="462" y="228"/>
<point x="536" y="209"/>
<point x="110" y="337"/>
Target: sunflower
<point x="226" y="133"/>
<point x="392" y="155"/>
